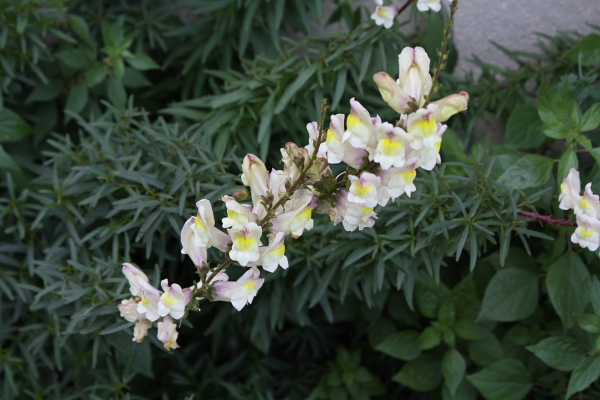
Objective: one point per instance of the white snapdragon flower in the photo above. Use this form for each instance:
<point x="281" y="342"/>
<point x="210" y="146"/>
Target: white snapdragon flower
<point x="570" y="190"/>
<point x="167" y="333"/>
<point x="137" y="279"/>
<point x="359" y="127"/>
<point x="128" y="310"/>
<point x="255" y="175"/>
<point x="140" y="330"/>
<point x="423" y="130"/>
<point x="426" y="5"/>
<point x="395" y="182"/>
<point x="173" y="300"/>
<point x="589" y="204"/>
<point x="140" y="286"/>
<point x="242" y="291"/>
<point x="238" y="215"/>
<point x="273" y="255"/>
<point x="384" y="15"/>
<point x="449" y="105"/>
<point x="391" y="146"/>
<point x="414" y="78"/>
<point x="587" y="233"/>
<point x="358" y="216"/>
<point x="333" y="147"/>
<point x="297" y="216"/>
<point x="363" y="190"/>
<point x="245" y="243"/>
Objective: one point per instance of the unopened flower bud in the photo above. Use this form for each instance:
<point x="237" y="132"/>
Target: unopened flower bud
<point x="450" y="105"/>
<point x="414" y="76"/>
<point x="392" y="93"/>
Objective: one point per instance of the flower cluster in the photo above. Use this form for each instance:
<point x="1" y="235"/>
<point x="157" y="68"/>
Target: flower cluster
<point x="385" y="15"/>
<point x="587" y="210"/>
<point x="381" y="159"/>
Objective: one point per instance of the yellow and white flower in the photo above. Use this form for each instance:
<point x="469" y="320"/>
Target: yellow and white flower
<point x="359" y="127"/>
<point x="589" y="203"/>
<point x="587" y="234"/>
<point x="333" y="148"/>
<point x="570" y="190"/>
<point x="273" y="255"/>
<point x="395" y="182"/>
<point x="392" y="143"/>
<point x="167" y="333"/>
<point x="392" y="93"/>
<point x="424" y="131"/>
<point x="363" y="190"/>
<point x="245" y="243"/>
<point x="173" y="300"/>
<point x="297" y="215"/>
<point x="242" y="291"/>
<point x="450" y="105"/>
<point x="384" y="15"/>
<point x="238" y="215"/>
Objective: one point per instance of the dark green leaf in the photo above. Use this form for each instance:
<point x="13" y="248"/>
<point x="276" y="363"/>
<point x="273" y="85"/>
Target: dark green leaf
<point x="511" y="295"/>
<point x="423" y="374"/>
<point x="568" y="283"/>
<point x="551" y="107"/>
<point x="431" y="337"/>
<point x="523" y="128"/>
<point x="587" y="50"/>
<point x="567" y="161"/>
<point x="588" y="322"/>
<point x="96" y="74"/>
<point x="12" y="126"/>
<point x="141" y="62"/>
<point x="116" y="92"/>
<point x="584" y="375"/>
<point x="295" y="87"/>
<point x="560" y="352"/>
<point x="555" y="130"/>
<point x="506" y="379"/>
<point x="530" y="171"/>
<point x="591" y="118"/>
<point x="454" y="367"/>
<point x="402" y="345"/>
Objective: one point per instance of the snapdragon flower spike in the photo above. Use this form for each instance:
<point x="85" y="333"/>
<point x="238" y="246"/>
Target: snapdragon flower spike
<point x="238" y="215"/>
<point x="391" y="146"/>
<point x="242" y="291"/>
<point x="589" y="204"/>
<point x="167" y="333"/>
<point x="426" y="5"/>
<point x="359" y="127"/>
<point x="414" y="78"/>
<point x="384" y="15"/>
<point x="570" y="190"/>
<point x="173" y="300"/>
<point x="245" y="243"/>
<point x="363" y="190"/>
<point x="587" y="234"/>
<point x="273" y="255"/>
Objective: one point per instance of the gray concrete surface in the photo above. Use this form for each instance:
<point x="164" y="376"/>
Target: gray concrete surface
<point x="513" y="23"/>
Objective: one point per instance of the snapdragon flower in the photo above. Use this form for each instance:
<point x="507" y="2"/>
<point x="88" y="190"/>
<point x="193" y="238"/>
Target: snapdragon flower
<point x="391" y="146"/>
<point x="570" y="190"/>
<point x="363" y="190"/>
<point x="246" y="241"/>
<point x="167" y="333"/>
<point x="273" y="255"/>
<point x="242" y="291"/>
<point x="426" y="5"/>
<point x="587" y="234"/>
<point x="359" y="127"/>
<point x="384" y="15"/>
<point x="173" y="300"/>
<point x="414" y="78"/>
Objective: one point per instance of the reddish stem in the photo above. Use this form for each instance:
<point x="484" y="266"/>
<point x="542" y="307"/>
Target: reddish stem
<point x="405" y="6"/>
<point x="547" y="219"/>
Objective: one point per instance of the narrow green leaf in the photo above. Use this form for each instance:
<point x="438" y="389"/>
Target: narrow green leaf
<point x="294" y="87"/>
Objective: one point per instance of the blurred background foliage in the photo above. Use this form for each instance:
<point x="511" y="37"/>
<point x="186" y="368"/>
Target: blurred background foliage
<point x="117" y="116"/>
